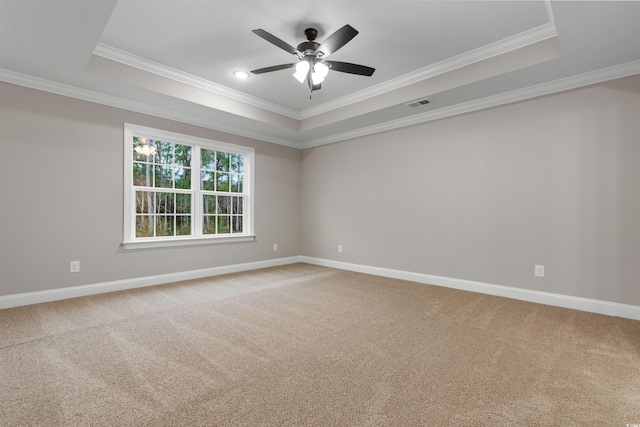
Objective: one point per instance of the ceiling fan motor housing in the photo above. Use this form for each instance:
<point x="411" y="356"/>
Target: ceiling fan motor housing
<point x="307" y="48"/>
<point x="310" y="46"/>
<point x="311" y="34"/>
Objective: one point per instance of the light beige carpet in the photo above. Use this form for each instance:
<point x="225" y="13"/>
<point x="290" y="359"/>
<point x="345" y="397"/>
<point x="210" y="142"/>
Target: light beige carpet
<point x="306" y="345"/>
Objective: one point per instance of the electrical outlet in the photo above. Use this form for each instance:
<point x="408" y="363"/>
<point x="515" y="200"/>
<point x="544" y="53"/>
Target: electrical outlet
<point x="538" y="271"/>
<point x="275" y="246"/>
<point x="339" y="248"/>
<point x="74" y="266"/>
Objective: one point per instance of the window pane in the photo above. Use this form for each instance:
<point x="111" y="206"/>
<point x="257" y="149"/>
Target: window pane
<point x="236" y="163"/>
<point x="222" y="181"/>
<point x="163" y="177"/>
<point x="237" y="223"/>
<point x="209" y="204"/>
<point x="224" y="204"/>
<point x="141" y="142"/>
<point x="223" y="224"/>
<point x="142" y="175"/>
<point x="183" y="155"/>
<point x="236" y="183"/>
<point x="164" y="152"/>
<point x="209" y="224"/>
<point x="144" y="202"/>
<point x="165" y="203"/>
<point x="183" y="225"/>
<point x="237" y="205"/>
<point x="164" y="225"/>
<point x="144" y="225"/>
<point x="183" y="203"/>
<point x="207" y="181"/>
<point x="222" y="161"/>
<point x="183" y="178"/>
<point x="208" y="159"/>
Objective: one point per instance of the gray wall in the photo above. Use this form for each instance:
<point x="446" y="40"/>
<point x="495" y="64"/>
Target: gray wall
<point x="485" y="196"/>
<point x="61" y="184"/>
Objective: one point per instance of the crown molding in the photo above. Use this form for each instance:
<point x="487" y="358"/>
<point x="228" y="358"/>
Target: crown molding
<point x="127" y="58"/>
<point x="138" y="107"/>
<point x="509" y="44"/>
<point x="567" y="83"/>
<point x="560" y="85"/>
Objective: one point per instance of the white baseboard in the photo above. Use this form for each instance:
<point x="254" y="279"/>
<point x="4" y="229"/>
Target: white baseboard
<point x="576" y="303"/>
<point x="558" y="300"/>
<point x="28" y="298"/>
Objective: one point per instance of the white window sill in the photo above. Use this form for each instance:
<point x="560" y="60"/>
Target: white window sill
<point x="187" y="241"/>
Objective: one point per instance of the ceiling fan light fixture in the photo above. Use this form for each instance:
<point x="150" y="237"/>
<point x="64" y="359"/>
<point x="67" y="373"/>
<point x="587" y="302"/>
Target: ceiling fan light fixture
<point x="320" y="71"/>
<point x="302" y="69"/>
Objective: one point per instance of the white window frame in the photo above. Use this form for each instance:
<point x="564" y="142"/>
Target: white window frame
<point x="130" y="241"/>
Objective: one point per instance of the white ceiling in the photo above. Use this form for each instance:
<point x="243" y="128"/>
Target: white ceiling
<point x="175" y="58"/>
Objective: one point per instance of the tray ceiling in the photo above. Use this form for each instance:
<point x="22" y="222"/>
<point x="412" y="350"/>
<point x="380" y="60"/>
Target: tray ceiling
<point x="176" y="58"/>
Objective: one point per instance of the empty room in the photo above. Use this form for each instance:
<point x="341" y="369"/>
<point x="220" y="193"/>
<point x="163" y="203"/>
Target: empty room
<point x="336" y="213"/>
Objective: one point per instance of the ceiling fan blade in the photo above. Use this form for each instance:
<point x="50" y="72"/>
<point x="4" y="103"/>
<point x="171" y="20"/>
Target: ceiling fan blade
<point x="347" y="67"/>
<point x="338" y="39"/>
<point x="272" y="68"/>
<point x="276" y="41"/>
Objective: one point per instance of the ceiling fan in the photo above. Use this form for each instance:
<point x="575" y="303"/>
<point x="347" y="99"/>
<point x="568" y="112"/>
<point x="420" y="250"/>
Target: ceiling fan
<point x="312" y="65"/>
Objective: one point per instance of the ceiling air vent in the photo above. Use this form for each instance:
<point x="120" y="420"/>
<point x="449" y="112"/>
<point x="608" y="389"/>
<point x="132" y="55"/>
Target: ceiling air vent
<point x="418" y="103"/>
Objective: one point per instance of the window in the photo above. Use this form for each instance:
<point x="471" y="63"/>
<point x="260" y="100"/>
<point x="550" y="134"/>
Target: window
<point x="182" y="190"/>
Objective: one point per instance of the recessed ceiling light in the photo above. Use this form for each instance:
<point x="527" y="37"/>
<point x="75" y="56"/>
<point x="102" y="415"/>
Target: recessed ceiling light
<point x="241" y="75"/>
